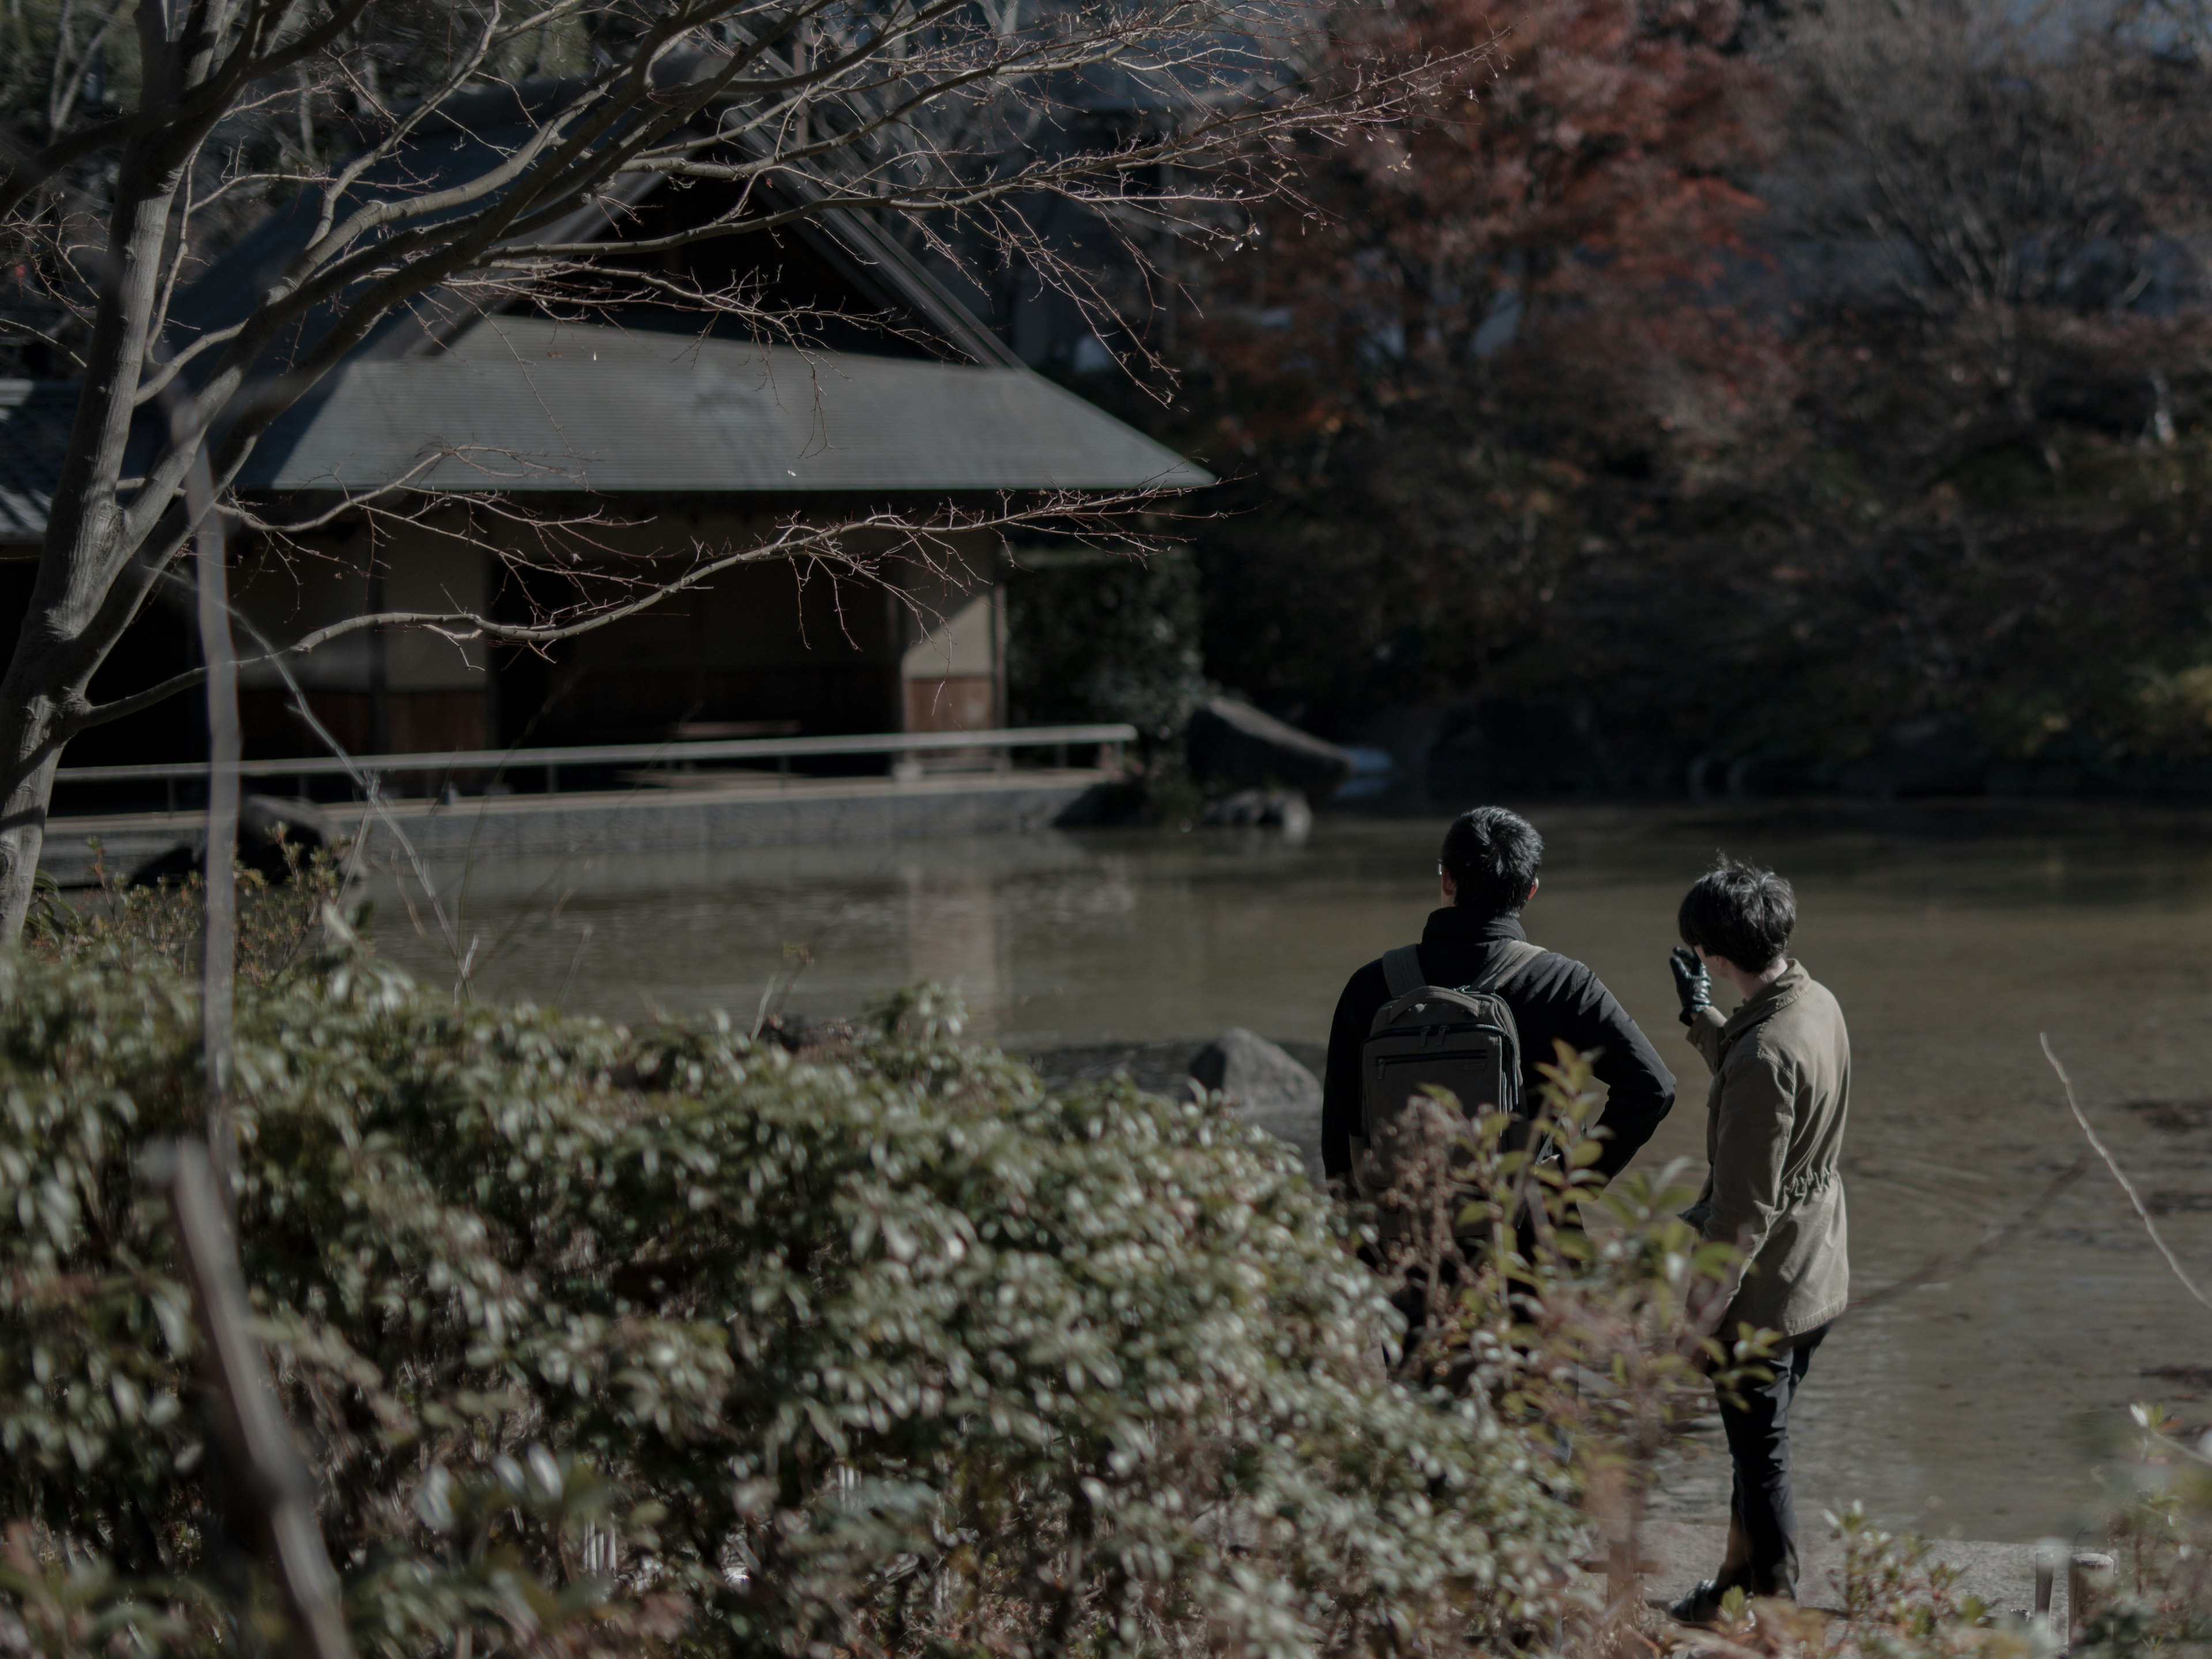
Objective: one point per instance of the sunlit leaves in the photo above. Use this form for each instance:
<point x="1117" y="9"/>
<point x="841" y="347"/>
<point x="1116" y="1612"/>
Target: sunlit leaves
<point x="596" y="1334"/>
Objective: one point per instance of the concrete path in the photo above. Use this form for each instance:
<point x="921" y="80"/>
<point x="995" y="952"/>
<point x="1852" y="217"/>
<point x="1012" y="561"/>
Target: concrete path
<point x="1679" y="1556"/>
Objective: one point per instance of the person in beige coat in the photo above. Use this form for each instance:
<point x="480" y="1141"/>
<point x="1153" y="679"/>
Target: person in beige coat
<point x="1774" y="1133"/>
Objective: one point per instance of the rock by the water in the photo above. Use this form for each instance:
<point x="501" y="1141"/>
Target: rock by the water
<point x="1233" y="742"/>
<point x="1264" y="809"/>
<point x="1272" y="1090"/>
<point x="266" y="826"/>
<point x="1257" y="1071"/>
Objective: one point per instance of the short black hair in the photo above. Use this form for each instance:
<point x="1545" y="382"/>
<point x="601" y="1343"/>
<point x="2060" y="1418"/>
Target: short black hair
<point x="1493" y="856"/>
<point x="1739" y="911"/>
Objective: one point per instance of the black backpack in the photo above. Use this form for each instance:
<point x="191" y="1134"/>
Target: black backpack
<point x="1463" y="1039"/>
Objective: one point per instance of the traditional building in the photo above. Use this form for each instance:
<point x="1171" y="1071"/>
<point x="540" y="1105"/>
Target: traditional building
<point x="670" y="434"/>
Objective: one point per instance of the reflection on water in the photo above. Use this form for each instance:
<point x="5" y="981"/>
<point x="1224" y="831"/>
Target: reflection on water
<point x="1953" y="936"/>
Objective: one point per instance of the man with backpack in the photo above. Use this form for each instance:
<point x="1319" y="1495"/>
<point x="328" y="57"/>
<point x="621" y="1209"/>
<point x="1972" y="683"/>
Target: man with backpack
<point x="1476" y="1008"/>
<point x="1774" y="1135"/>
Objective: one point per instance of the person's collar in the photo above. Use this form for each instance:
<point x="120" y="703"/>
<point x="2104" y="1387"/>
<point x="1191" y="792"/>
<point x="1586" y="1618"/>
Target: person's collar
<point x="1778" y="992"/>
<point x="1453" y="924"/>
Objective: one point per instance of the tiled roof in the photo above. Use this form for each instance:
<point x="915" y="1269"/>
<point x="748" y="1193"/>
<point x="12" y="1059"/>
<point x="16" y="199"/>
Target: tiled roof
<point x="519" y="404"/>
<point x="525" y="404"/>
<point x="446" y="398"/>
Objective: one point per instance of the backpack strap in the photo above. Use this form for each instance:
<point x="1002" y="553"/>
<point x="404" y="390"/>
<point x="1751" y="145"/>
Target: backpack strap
<point x="1512" y="957"/>
<point x="1401" y="970"/>
<point x="1401" y="967"/>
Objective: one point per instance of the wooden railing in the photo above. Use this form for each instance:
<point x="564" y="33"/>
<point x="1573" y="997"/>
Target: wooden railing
<point x="1107" y="738"/>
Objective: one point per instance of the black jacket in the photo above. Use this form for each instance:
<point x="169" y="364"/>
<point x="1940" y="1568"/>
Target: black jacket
<point x="1554" y="997"/>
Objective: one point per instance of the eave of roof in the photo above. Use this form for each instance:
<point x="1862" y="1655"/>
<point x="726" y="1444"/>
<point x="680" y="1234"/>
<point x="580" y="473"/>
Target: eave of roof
<point x="526" y="405"/>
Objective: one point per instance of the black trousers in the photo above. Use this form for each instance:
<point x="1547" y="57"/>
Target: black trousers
<point x="1762" y="1548"/>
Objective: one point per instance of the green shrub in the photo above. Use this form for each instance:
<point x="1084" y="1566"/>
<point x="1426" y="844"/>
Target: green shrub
<point x="1584" y="1314"/>
<point x="1898" y="1602"/>
<point x="600" y="1338"/>
<point x="279" y="923"/>
<point x="2159" y="1600"/>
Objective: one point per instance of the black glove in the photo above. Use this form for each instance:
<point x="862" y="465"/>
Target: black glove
<point x="1691" y="983"/>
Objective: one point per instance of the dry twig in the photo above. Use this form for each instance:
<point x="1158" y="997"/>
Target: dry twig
<point x="2134" y="1198"/>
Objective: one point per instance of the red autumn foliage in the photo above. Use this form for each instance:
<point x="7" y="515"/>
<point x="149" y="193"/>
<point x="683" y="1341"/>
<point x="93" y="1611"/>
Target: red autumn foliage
<point x="1577" y="194"/>
<point x="1543" y="401"/>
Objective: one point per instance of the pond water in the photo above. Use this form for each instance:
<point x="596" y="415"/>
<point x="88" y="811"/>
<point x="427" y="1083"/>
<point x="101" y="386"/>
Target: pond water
<point x="1954" y="936"/>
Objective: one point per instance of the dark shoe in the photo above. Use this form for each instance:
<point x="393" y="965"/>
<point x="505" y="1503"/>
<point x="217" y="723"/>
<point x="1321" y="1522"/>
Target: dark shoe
<point x="1700" y="1608"/>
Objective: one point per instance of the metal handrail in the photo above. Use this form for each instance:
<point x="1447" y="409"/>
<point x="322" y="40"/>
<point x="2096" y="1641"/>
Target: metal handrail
<point x="616" y="754"/>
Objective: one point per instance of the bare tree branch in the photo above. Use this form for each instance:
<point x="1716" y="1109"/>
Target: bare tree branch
<point x="2128" y="1187"/>
<point x="495" y="156"/>
<point x="795" y="543"/>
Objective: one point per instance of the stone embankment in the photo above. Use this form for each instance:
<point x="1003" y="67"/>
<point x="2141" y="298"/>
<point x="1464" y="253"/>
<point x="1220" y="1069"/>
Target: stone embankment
<point x="739" y="810"/>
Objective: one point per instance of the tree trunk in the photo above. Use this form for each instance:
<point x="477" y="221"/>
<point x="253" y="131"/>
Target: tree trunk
<point x="89" y="583"/>
<point x="23" y="813"/>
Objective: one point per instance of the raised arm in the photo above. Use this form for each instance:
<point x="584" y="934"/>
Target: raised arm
<point x="1705" y="1025"/>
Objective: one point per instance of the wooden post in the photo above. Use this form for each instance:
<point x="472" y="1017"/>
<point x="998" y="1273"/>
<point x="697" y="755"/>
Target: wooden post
<point x="275" y="1483"/>
<point x="219" y="934"/>
<point x="2088" y="1576"/>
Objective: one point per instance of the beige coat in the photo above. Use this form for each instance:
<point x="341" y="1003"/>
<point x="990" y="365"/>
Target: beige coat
<point x="1774" y="1131"/>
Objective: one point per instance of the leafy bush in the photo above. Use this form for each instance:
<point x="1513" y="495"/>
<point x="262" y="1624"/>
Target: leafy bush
<point x="606" y="1338"/>
<point x="606" y="1341"/>
<point x="2160" y="1599"/>
<point x="1899" y="1601"/>
<point x="278" y="921"/>
<point x="1584" y="1315"/>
